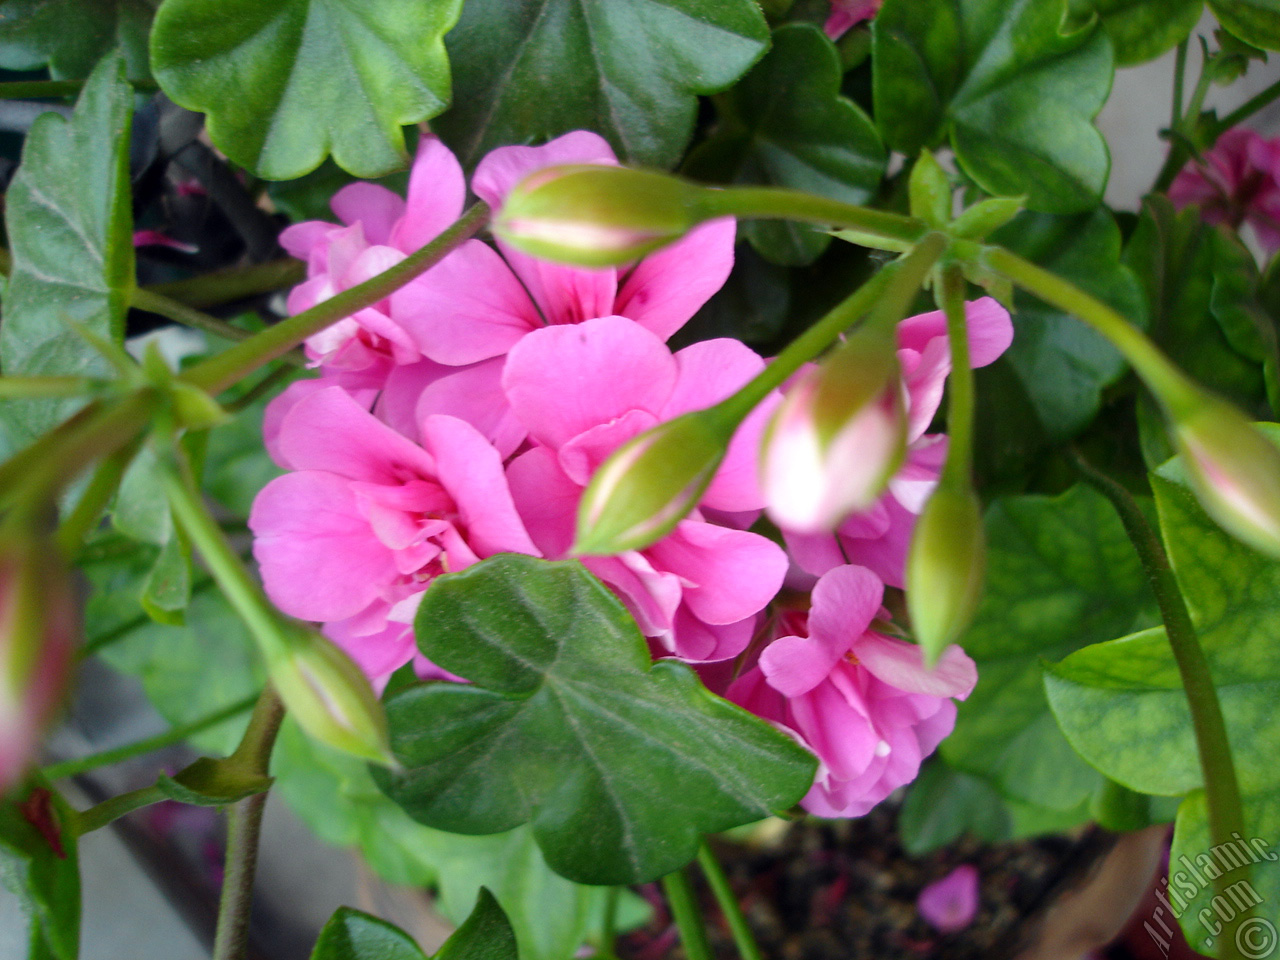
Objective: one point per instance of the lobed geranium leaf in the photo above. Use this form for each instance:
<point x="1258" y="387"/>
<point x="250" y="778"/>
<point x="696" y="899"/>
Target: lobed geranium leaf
<point x="528" y="70"/>
<point x="1063" y="364"/>
<point x="40" y="865"/>
<point x="71" y="36"/>
<point x="288" y="82"/>
<point x="620" y="765"/>
<point x="785" y="124"/>
<point x="353" y="935"/>
<point x="1122" y="705"/>
<point x="1253" y="21"/>
<point x="1014" y="94"/>
<point x="70" y="234"/>
<point x="1140" y="30"/>
<point x="1061" y="574"/>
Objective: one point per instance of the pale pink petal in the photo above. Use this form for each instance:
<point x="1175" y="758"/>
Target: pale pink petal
<point x="987" y="323"/>
<point x="301" y="239"/>
<point x="370" y="204"/>
<point x="564" y="380"/>
<point x="468" y="307"/>
<point x="564" y="294"/>
<point x="728" y="574"/>
<point x="845" y="601"/>
<point x="901" y="665"/>
<point x="668" y="287"/>
<point x="652" y="595"/>
<point x="950" y="904"/>
<point x="437" y="190"/>
<point x="275" y="412"/>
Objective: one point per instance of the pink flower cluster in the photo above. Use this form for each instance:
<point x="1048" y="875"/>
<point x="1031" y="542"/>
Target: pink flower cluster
<point x="1237" y="182"/>
<point x="464" y="415"/>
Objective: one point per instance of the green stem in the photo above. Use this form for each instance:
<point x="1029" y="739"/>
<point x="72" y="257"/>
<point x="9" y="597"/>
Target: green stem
<point x="38" y="388"/>
<point x="88" y="511"/>
<point x="99" y="816"/>
<point x="39" y="89"/>
<point x="106" y="758"/>
<point x="244" y="828"/>
<point x="1248" y="108"/>
<point x="259" y="389"/>
<point x="770" y="203"/>
<point x="958" y="469"/>
<point x="888" y="292"/>
<point x="743" y="938"/>
<point x="1166" y="381"/>
<point x="1179" y="81"/>
<point x="1221" y="788"/>
<point x="608" y="949"/>
<point x="688" y="917"/>
<point x="1179" y="152"/>
<point x="180" y="313"/>
<point x="221" y="371"/>
<point x="232" y="284"/>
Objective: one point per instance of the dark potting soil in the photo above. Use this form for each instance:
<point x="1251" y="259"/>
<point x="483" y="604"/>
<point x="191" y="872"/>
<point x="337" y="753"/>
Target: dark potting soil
<point x="846" y="890"/>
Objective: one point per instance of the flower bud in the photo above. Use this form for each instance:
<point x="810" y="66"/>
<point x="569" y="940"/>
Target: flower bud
<point x="595" y="215"/>
<point x="945" y="567"/>
<point x="650" y="483"/>
<point x="837" y="438"/>
<point x="929" y="191"/>
<point x="38" y="628"/>
<point x="330" y="697"/>
<point x="1234" y="470"/>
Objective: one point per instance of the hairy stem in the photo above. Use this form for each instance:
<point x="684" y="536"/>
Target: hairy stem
<point x="99" y="816"/>
<point x="770" y="203"/>
<point x="958" y="469"/>
<point x="234" y="283"/>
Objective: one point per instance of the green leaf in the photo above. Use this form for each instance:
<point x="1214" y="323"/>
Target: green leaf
<point x="1122" y="705"/>
<point x="71" y="36"/>
<point x="1254" y="21"/>
<point x="785" y="124"/>
<point x="943" y="804"/>
<point x="1201" y="287"/>
<point x="1061" y="574"/>
<point x="39" y="864"/>
<point x="286" y="83"/>
<point x="620" y="765"/>
<point x="1065" y="365"/>
<point x="353" y="935"/>
<point x="335" y="794"/>
<point x="1140" y="30"/>
<point x="1015" y="96"/>
<point x="70" y="234"/>
<point x="212" y="783"/>
<point x="528" y="70"/>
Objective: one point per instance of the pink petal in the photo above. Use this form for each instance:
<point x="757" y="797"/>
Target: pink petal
<point x="468" y="307"/>
<point x="950" y="904"/>
<point x="503" y="168"/>
<point x="371" y="205"/>
<point x="474" y="394"/>
<point x="583" y="455"/>
<point x="437" y="190"/>
<point x="274" y="415"/>
<point x="377" y="654"/>
<point x="901" y="666"/>
<point x="988" y="325"/>
<point x="397" y="405"/>
<point x="562" y="381"/>
<point x="695" y="641"/>
<point x="546" y="500"/>
<point x="668" y="287"/>
<point x="564" y="294"/>
<point x="845" y="601"/>
<point x="651" y="594"/>
<point x="301" y="238"/>
<point x="729" y="575"/>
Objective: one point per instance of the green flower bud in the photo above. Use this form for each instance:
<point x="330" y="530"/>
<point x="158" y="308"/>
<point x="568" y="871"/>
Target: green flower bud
<point x="929" y="191"/>
<point x="986" y="216"/>
<point x="1234" y="470"/>
<point x="650" y="483"/>
<point x="595" y="215"/>
<point x="330" y="697"/>
<point x="945" y="567"/>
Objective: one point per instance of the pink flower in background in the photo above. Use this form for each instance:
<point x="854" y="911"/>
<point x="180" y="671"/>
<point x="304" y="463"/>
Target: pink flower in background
<point x="862" y="702"/>
<point x="845" y="13"/>
<point x="1238" y="182"/>
<point x="950" y="904"/>
<point x="584" y="390"/>
<point x="878" y="538"/>
<point x="366" y="519"/>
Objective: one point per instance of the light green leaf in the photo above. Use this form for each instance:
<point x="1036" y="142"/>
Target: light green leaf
<point x="1122" y="705"/>
<point x="288" y="82"/>
<point x="353" y="935"/>
<point x="529" y="70"/>
<point x="1015" y="96"/>
<point x="785" y="124"/>
<point x="70" y="234"/>
<point x="71" y="36"/>
<point x="620" y="765"/>
<point x="1061" y="574"/>
<point x="1254" y="21"/>
<point x="45" y="877"/>
<point x="943" y="804"/>
<point x="1140" y="30"/>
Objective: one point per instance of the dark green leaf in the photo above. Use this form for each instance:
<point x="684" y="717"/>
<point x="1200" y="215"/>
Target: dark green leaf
<point x="1254" y="21"/>
<point x="39" y="864"/>
<point x="212" y="783"/>
<point x="785" y="124"/>
<point x="1015" y="96"/>
<point x="355" y="935"/>
<point x="1061" y="574"/>
<point x="485" y="936"/>
<point x="619" y="764"/>
<point x="67" y="216"/>
<point x="1140" y="30"/>
<point x="943" y="805"/>
<point x="1064" y="364"/>
<point x="286" y="83"/>
<point x="529" y="70"/>
<point x="1122" y="706"/>
<point x="71" y="36"/>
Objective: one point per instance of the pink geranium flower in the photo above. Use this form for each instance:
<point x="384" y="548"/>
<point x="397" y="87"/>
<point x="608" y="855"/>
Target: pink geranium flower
<point x="845" y="13"/>
<point x="863" y="703"/>
<point x="1237" y="182"/>
<point x="584" y="390"/>
<point x="366" y="519"/>
<point x="878" y="538"/>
